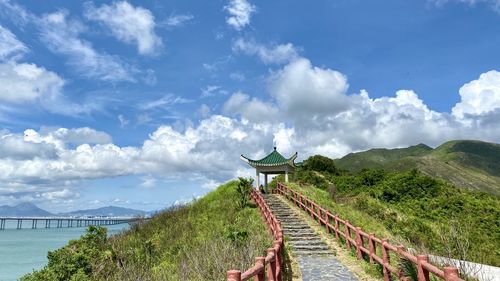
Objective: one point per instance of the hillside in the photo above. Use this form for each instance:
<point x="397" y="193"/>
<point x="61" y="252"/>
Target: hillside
<point x="408" y="207"/>
<point x="109" y="211"/>
<point x="199" y="241"/>
<point x="464" y="163"/>
<point x="23" y="210"/>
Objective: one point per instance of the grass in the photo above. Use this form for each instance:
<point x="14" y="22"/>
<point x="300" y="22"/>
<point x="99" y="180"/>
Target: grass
<point x="200" y="241"/>
<point x="414" y="210"/>
<point x="469" y="164"/>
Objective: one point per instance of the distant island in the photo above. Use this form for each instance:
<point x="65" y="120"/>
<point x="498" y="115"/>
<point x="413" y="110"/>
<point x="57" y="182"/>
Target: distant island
<point x="31" y="210"/>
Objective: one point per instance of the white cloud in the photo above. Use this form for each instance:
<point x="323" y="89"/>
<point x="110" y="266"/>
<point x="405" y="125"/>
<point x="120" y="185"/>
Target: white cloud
<point x="164" y="102"/>
<point x="211" y="184"/>
<point x="148" y="181"/>
<point x="62" y="35"/>
<point x="210" y="91"/>
<point x="250" y="108"/>
<point x="493" y="4"/>
<point x="175" y="20"/>
<point x="26" y="82"/>
<point x="59" y="194"/>
<point x="133" y="25"/>
<point x="301" y="88"/>
<point x="237" y="76"/>
<point x="479" y="96"/>
<point x="10" y="47"/>
<point x="240" y="12"/>
<point x="204" y="111"/>
<point x="274" y="54"/>
<point x="123" y="121"/>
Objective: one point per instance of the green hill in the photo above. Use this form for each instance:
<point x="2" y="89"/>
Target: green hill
<point x="464" y="163"/>
<point x="410" y="207"/>
<point x="199" y="241"/>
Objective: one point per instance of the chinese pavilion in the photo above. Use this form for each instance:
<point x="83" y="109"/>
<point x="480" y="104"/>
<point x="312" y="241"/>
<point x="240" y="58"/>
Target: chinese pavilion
<point x="272" y="164"/>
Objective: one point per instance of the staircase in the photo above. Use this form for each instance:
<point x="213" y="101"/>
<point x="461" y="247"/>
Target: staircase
<point x="315" y="258"/>
<point x="301" y="237"/>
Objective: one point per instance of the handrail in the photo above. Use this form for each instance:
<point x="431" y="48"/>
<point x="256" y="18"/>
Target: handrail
<point x="342" y="228"/>
<point x="273" y="261"/>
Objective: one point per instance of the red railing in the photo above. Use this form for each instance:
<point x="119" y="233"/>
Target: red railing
<point x="272" y="263"/>
<point x="367" y="243"/>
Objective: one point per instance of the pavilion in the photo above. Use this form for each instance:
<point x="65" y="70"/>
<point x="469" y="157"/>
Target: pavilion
<point x="272" y="164"/>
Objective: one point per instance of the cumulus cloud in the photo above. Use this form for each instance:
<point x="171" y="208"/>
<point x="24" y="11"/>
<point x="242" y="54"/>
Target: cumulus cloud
<point x="62" y="35"/>
<point x="479" y="96"/>
<point x="10" y="47"/>
<point x="240" y="13"/>
<point x="301" y="88"/>
<point x="24" y="82"/>
<point x="273" y="54"/>
<point x="133" y="25"/>
<point x="251" y="109"/>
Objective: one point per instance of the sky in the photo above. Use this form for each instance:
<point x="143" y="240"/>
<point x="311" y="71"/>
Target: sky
<point x="145" y="104"/>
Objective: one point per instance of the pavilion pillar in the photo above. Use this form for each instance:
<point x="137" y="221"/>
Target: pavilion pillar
<point x="257" y="178"/>
<point x="265" y="181"/>
<point x="286" y="174"/>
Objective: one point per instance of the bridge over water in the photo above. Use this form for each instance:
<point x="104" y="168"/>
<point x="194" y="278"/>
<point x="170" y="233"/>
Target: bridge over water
<point x="60" y="222"/>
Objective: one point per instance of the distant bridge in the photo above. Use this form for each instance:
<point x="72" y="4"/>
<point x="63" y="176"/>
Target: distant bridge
<point x="60" y="222"/>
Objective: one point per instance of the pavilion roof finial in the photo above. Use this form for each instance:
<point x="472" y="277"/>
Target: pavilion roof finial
<point x="275" y="148"/>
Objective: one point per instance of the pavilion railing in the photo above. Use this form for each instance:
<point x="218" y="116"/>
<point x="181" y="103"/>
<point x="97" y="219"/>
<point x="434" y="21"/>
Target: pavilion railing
<point x="367" y="244"/>
<point x="271" y="264"/>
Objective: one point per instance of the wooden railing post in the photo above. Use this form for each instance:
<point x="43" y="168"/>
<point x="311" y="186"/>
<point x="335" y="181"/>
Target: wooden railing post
<point x="372" y="248"/>
<point x="386" y="261"/>
<point x="336" y="218"/>
<point x="261" y="276"/>
<point x="271" y="271"/>
<point x="423" y="274"/>
<point x="450" y="273"/>
<point x="359" y="243"/>
<point x="233" y="275"/>
<point x="347" y="233"/>
<point x="318" y="212"/>
<point x="327" y="221"/>
<point x="277" y="245"/>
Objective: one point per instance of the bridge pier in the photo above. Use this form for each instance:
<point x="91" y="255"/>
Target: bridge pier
<point x="34" y="223"/>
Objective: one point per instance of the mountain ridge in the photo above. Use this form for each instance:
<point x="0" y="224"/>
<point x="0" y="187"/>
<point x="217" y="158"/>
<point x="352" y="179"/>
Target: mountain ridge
<point x="471" y="164"/>
<point x="27" y="209"/>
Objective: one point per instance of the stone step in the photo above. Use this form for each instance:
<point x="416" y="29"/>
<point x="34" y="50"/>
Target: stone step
<point x="297" y="226"/>
<point x="308" y="253"/>
<point x="323" y="247"/>
<point x="306" y="242"/>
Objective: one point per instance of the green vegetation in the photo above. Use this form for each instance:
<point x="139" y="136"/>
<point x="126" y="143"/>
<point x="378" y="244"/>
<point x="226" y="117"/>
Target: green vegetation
<point x="470" y="164"/>
<point x="410" y="208"/>
<point x="200" y="241"/>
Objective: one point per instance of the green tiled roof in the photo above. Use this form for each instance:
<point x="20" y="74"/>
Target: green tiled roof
<point x="273" y="159"/>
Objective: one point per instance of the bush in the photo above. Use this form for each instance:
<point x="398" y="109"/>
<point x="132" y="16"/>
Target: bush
<point x="320" y="163"/>
<point x="244" y="188"/>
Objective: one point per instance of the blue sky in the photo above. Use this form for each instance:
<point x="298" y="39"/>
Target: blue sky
<point x="144" y="104"/>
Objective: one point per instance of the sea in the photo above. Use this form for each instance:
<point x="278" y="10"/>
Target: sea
<point x="25" y="250"/>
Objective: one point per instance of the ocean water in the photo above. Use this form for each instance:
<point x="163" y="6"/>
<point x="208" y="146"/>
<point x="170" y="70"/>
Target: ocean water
<point x="22" y="251"/>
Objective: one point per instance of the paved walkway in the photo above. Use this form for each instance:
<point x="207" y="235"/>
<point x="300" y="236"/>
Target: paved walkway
<point x="315" y="258"/>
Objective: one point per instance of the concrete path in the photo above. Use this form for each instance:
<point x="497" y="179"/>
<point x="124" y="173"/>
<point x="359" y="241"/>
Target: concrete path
<point x="315" y="258"/>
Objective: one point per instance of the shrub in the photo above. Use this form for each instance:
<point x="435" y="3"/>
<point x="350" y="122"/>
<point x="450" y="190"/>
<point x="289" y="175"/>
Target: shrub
<point x="244" y="188"/>
<point x="320" y="163"/>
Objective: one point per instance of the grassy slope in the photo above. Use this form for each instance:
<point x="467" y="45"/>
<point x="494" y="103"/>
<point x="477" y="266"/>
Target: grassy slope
<point x="471" y="164"/>
<point x="415" y="211"/>
<point x="198" y="242"/>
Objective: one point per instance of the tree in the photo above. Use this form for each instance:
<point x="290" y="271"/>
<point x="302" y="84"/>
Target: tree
<point x="244" y="187"/>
